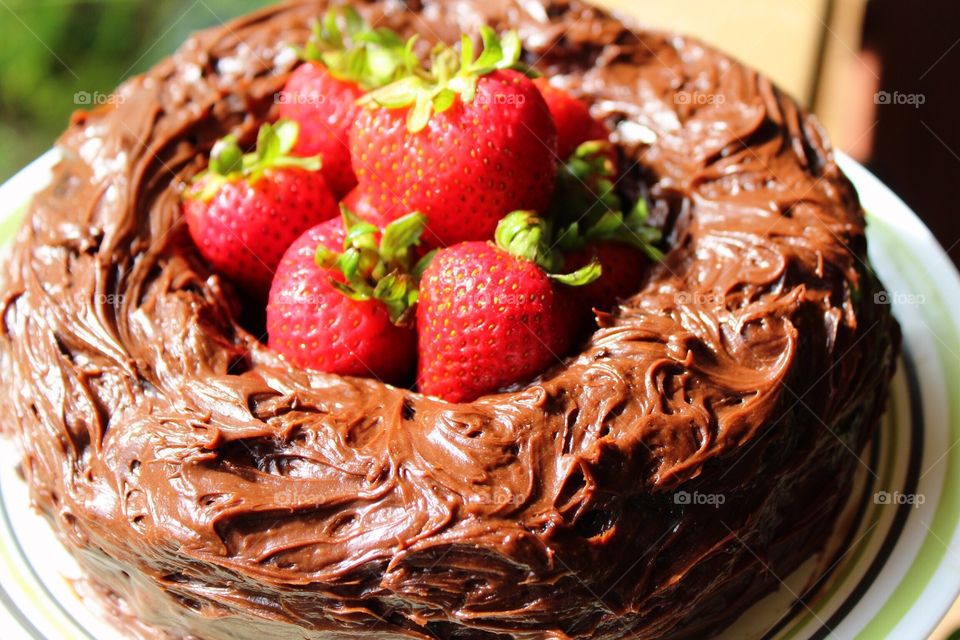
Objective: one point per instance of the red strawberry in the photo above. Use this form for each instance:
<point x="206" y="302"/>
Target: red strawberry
<point x="341" y="302"/>
<point x="623" y="268"/>
<point x="572" y="118"/>
<point x="342" y="64"/>
<point x="464" y="146"/>
<point x="623" y="244"/>
<point x="325" y="108"/>
<point x="489" y="316"/>
<point x="245" y="210"/>
<point x="359" y="203"/>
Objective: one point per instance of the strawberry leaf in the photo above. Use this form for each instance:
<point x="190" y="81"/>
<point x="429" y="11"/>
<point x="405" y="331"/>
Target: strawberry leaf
<point x="607" y="226"/>
<point x="492" y="53"/>
<point x="349" y="291"/>
<point x="444" y="100"/>
<point x="466" y="51"/>
<point x="362" y="235"/>
<point x="382" y="37"/>
<point x="324" y="257"/>
<point x="582" y="276"/>
<point x="450" y="75"/>
<point x="465" y="86"/>
<point x="511" y="48"/>
<point x="381" y="65"/>
<point x="422" y="264"/>
<point x="588" y="208"/>
<point x="631" y="229"/>
<point x="349" y="217"/>
<point x="399" y="94"/>
<point x="285" y="133"/>
<point x="330" y="33"/>
<point x="228" y="162"/>
<point x="355" y="24"/>
<point x="348" y="263"/>
<point x="400" y="235"/>
<point x="398" y="293"/>
<point x="353" y="51"/>
<point x="226" y="156"/>
<point x="526" y="235"/>
<point x="419" y="115"/>
<point x="375" y="265"/>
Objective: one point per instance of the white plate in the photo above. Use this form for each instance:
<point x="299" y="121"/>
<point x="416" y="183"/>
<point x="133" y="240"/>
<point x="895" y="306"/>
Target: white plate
<point x="897" y="568"/>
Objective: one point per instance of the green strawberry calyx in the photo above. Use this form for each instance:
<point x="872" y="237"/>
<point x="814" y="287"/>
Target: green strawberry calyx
<point x="354" y="51"/>
<point x="228" y="161"/>
<point x="379" y="265"/>
<point x="435" y="90"/>
<point x="526" y="235"/>
<point x="590" y="210"/>
<point x="585" y="182"/>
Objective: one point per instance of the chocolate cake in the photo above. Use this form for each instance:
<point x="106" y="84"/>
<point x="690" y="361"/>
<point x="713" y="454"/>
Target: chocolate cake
<point x="212" y="491"/>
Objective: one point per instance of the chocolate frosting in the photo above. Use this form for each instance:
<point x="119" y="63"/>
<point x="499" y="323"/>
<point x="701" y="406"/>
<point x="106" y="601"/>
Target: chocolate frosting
<point x="217" y="492"/>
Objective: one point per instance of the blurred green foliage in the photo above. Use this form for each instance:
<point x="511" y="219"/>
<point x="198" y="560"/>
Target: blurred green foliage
<point x="52" y="49"/>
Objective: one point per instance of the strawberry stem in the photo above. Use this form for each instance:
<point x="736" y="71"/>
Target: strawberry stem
<point x="582" y="276"/>
<point x="353" y="51"/>
<point x="375" y="268"/>
<point x="590" y="209"/>
<point x="528" y="236"/>
<point x="450" y="76"/>
<point x="228" y="161"/>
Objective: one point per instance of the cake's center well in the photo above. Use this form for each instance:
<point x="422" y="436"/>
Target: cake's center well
<point x="447" y="213"/>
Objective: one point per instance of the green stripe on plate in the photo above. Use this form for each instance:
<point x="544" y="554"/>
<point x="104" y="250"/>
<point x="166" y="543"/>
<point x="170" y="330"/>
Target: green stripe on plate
<point x="869" y="522"/>
<point x="934" y="547"/>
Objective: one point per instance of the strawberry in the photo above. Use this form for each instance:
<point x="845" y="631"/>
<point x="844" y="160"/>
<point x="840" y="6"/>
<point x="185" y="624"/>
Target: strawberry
<point x="321" y="94"/>
<point x="245" y="210"/>
<point x="623" y="244"/>
<point x="465" y="143"/>
<point x="572" y="118"/>
<point x="623" y="267"/>
<point x="341" y="301"/>
<point x="491" y="315"/>
<point x="324" y="107"/>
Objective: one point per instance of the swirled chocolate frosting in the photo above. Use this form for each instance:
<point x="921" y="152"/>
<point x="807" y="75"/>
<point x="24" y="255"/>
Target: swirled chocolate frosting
<point x="217" y="492"/>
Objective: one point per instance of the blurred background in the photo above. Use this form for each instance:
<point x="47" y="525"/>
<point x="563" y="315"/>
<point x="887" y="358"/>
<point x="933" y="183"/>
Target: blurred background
<point x="880" y="74"/>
